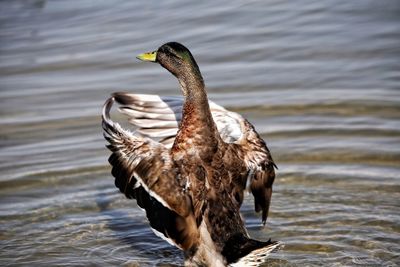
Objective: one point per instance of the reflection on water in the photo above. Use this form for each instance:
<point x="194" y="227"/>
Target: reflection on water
<point x="319" y="79"/>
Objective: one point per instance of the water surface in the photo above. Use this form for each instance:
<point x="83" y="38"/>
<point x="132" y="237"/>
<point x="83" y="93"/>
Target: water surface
<point x="319" y="80"/>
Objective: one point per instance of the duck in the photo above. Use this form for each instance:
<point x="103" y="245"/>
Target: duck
<point x="188" y="165"/>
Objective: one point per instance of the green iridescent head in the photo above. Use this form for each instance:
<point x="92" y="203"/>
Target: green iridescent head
<point x="173" y="56"/>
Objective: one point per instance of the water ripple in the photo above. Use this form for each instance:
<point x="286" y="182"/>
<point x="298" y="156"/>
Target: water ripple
<point x="318" y="79"/>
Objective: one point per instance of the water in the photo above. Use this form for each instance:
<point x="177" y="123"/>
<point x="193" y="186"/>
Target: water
<point x="319" y="79"/>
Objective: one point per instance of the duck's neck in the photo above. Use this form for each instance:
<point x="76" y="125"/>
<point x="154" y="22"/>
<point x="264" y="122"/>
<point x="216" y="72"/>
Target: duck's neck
<point x="195" y="95"/>
<point x="196" y="101"/>
<point x="192" y="83"/>
<point x="197" y="122"/>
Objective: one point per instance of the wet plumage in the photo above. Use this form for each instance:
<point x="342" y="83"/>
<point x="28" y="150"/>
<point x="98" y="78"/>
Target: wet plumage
<point x="188" y="164"/>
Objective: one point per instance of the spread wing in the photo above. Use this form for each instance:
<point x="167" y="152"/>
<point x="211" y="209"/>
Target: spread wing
<point x="158" y="118"/>
<point x="261" y="166"/>
<point x="143" y="170"/>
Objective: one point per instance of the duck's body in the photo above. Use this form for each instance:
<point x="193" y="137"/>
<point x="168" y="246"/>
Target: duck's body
<point x="193" y="190"/>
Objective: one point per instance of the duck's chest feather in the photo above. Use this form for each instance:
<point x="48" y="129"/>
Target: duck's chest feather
<point x="197" y="137"/>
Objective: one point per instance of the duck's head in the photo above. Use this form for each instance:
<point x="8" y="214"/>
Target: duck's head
<point x="175" y="57"/>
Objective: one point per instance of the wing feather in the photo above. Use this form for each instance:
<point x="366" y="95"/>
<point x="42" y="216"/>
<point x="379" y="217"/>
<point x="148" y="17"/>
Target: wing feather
<point x="159" y="117"/>
<point x="142" y="169"/>
<point x="261" y="166"/>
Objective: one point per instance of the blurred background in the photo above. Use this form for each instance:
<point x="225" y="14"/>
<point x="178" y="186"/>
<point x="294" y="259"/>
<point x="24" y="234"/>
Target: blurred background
<point x="319" y="80"/>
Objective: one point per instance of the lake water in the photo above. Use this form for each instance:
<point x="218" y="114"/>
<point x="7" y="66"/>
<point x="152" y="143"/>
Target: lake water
<point x="320" y="81"/>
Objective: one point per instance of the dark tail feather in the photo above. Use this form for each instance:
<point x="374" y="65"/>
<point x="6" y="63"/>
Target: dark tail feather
<point x="241" y="248"/>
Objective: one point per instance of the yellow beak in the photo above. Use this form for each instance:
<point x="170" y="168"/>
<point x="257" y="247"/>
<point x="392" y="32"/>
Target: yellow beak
<point x="151" y="56"/>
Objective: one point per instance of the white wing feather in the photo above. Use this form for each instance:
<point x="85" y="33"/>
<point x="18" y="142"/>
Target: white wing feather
<point x="158" y="117"/>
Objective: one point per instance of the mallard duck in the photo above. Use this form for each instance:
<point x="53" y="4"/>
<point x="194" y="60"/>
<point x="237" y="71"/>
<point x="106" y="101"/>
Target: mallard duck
<point x="188" y="163"/>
